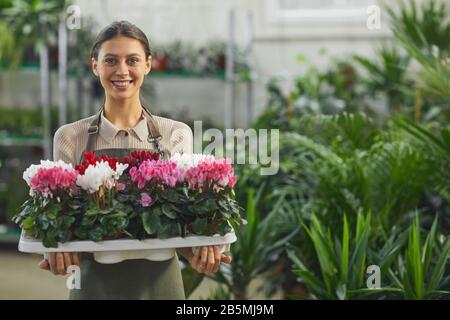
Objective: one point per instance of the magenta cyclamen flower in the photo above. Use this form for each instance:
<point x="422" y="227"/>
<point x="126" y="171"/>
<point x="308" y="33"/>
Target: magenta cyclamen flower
<point x="47" y="181"/>
<point x="156" y="172"/>
<point x="211" y="174"/>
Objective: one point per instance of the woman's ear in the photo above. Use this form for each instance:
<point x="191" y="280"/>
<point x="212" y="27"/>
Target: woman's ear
<point x="148" y="65"/>
<point x="94" y="66"/>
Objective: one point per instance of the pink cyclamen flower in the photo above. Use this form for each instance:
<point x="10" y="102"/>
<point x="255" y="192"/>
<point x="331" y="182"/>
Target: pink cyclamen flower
<point x="211" y="174"/>
<point x="47" y="181"/>
<point x="153" y="172"/>
<point x="120" y="186"/>
<point x="146" y="200"/>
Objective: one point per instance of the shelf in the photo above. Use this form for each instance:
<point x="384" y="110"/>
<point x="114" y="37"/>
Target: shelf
<point x="25" y="141"/>
<point x="155" y="74"/>
<point x="9" y="235"/>
<point x="23" y="67"/>
<point x="181" y="74"/>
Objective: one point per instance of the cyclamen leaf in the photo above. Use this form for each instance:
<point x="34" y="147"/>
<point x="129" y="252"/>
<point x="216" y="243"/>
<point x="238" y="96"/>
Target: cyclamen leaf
<point x="199" y="225"/>
<point x="168" y="211"/>
<point x="28" y="222"/>
<point x="167" y="230"/>
<point x="151" y="222"/>
<point x="96" y="234"/>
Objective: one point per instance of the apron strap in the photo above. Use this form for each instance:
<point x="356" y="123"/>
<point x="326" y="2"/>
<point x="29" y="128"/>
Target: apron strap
<point x="92" y="132"/>
<point x="153" y="132"/>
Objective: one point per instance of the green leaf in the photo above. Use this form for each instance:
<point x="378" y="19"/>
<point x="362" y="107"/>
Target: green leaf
<point x="439" y="269"/>
<point x="157" y="211"/>
<point x="92" y="212"/>
<point x="28" y="222"/>
<point x="151" y="222"/>
<point x="345" y="253"/>
<point x="43" y="222"/>
<point x="199" y="226"/>
<point x="310" y="280"/>
<point x="123" y="197"/>
<point x="167" y="209"/>
<point x="50" y="242"/>
<point x="167" y="230"/>
<point x="96" y="234"/>
<point x="429" y="246"/>
<point x="170" y="195"/>
<point x="52" y="212"/>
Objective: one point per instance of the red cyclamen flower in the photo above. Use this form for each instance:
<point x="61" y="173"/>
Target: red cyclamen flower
<point x="91" y="159"/>
<point x="137" y="157"/>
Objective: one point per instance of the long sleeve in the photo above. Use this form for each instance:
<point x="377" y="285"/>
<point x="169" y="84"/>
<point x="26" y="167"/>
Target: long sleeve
<point x="64" y="145"/>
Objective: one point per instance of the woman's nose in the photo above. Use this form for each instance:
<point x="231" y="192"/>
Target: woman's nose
<point x="122" y="68"/>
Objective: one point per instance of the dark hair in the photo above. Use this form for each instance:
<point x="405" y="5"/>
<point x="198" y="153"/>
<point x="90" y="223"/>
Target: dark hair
<point x="120" y="28"/>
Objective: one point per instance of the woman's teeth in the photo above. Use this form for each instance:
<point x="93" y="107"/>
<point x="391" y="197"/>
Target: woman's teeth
<point x="122" y="83"/>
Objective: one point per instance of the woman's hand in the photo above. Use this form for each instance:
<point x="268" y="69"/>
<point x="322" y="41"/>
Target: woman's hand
<point x="208" y="259"/>
<point x="58" y="262"/>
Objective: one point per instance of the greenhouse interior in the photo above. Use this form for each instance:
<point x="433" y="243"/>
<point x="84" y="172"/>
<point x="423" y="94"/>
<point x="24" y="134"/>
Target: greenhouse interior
<point x="328" y="122"/>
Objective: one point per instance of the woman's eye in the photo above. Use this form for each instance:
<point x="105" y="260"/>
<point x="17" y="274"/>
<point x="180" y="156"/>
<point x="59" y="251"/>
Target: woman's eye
<point x="110" y="60"/>
<point x="132" y="61"/>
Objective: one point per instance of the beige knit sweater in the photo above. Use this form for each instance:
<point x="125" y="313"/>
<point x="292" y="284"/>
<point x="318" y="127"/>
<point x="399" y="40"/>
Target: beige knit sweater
<point x="70" y="139"/>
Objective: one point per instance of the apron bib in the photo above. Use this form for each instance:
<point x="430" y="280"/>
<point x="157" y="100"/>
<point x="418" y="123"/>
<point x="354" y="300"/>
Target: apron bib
<point x="129" y="279"/>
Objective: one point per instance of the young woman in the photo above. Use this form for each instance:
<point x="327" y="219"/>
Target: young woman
<point x="121" y="58"/>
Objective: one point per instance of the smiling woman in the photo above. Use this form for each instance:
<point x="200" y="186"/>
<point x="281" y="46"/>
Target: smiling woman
<point x="121" y="58"/>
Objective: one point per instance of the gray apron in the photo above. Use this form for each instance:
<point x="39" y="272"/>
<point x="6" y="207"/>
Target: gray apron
<point x="130" y="279"/>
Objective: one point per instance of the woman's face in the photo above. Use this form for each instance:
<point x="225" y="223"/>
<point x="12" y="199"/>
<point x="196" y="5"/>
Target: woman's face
<point x="121" y="66"/>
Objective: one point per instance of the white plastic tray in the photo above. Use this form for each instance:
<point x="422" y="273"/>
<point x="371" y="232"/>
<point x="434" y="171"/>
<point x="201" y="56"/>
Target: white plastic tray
<point x="114" y="251"/>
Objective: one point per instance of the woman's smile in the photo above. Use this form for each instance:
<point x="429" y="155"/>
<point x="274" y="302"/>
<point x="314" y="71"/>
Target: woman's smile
<point x="121" y="84"/>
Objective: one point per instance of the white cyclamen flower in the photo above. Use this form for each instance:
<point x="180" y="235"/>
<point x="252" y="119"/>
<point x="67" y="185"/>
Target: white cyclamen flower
<point x="187" y="161"/>
<point x="100" y="174"/>
<point x="120" y="168"/>
<point x="32" y="170"/>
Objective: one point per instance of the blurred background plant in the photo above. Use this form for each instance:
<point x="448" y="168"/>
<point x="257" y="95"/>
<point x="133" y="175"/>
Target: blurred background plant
<point x="183" y="57"/>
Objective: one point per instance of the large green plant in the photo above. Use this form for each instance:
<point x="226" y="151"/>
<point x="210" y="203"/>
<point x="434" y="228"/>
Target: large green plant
<point x="422" y="271"/>
<point x="342" y="261"/>
<point x="346" y="173"/>
<point x="436" y="143"/>
<point x="27" y="122"/>
<point x="425" y="24"/>
<point x="7" y="45"/>
<point x="409" y="268"/>
<point x="258" y="247"/>
<point x="425" y="38"/>
<point x="7" y="42"/>
<point x="435" y="72"/>
<point x="347" y="164"/>
<point x="35" y="23"/>
<point x="388" y="75"/>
